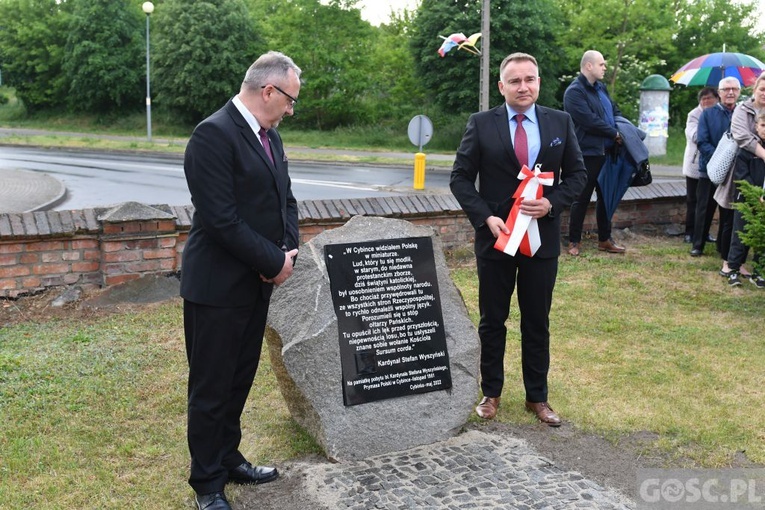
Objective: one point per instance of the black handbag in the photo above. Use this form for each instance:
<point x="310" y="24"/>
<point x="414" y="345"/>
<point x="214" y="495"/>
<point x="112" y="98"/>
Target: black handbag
<point x="643" y="175"/>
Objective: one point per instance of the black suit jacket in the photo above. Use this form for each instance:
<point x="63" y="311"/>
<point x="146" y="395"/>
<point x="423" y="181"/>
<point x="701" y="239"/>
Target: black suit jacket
<point x="486" y="151"/>
<point x="245" y="213"/>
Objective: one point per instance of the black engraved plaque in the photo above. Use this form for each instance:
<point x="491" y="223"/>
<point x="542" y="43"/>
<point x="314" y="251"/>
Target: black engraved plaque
<point x="390" y="325"/>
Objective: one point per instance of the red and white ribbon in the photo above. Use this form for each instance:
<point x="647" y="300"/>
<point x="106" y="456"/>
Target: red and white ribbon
<point x="524" y="230"/>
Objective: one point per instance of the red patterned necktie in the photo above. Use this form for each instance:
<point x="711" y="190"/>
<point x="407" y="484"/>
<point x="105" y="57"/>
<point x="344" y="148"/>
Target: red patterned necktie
<point x="267" y="144"/>
<point x="521" y="142"/>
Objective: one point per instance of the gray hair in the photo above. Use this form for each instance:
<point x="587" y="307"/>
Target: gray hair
<point x="729" y="79"/>
<point x="271" y="66"/>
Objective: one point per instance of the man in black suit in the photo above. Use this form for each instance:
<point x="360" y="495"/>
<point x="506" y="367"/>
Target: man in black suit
<point x="243" y="241"/>
<point x="494" y="148"/>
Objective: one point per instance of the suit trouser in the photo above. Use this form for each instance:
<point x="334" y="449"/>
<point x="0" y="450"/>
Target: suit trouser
<point x="579" y="207"/>
<point x="724" y="231"/>
<point x="535" y="279"/>
<point x="223" y="350"/>
<point x="691" y="185"/>
<point x="705" y="211"/>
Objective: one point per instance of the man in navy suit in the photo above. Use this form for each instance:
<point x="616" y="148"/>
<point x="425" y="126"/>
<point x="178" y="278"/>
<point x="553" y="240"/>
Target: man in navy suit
<point x="243" y="241"/>
<point x="494" y="148"/>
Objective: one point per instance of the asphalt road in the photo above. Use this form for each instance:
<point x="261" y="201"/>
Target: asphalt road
<point x="98" y="179"/>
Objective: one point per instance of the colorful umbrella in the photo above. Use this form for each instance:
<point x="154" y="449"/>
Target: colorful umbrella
<point x="708" y="70"/>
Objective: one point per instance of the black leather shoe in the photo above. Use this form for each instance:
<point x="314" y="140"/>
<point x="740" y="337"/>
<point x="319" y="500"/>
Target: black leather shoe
<point x="212" y="501"/>
<point x="247" y="474"/>
<point x="711" y="238"/>
<point x="688" y="238"/>
<point x="696" y="252"/>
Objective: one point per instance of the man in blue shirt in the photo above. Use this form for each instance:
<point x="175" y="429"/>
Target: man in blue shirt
<point x="593" y="113"/>
<point x="495" y="148"/>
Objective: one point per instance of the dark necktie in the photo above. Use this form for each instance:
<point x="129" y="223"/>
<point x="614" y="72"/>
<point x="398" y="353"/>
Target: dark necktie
<point x="521" y="142"/>
<point x="267" y="144"/>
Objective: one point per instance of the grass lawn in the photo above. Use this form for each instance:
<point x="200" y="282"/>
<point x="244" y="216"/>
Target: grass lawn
<point x="93" y="404"/>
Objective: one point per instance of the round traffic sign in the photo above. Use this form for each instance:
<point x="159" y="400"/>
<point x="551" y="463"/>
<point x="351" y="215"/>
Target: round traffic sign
<point x="420" y="130"/>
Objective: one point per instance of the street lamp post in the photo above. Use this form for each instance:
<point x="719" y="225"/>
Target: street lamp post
<point x="148" y="8"/>
<point x="483" y="95"/>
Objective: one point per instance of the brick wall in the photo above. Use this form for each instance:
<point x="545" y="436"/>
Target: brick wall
<point x="106" y="246"/>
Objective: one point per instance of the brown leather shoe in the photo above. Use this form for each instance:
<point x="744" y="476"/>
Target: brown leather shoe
<point x="573" y="249"/>
<point x="487" y="409"/>
<point x="544" y="413"/>
<point x="611" y="247"/>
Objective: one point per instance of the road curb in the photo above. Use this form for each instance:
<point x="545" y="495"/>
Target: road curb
<point x="26" y="191"/>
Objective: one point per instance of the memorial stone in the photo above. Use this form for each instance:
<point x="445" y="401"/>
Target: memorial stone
<point x="304" y="340"/>
<point x="389" y="315"/>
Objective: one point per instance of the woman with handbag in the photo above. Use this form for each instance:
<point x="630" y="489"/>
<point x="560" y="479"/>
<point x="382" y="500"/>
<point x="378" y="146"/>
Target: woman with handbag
<point x="743" y="125"/>
<point x="748" y="129"/>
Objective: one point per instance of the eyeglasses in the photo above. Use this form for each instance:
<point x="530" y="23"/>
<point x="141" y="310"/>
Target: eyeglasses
<point x="294" y="101"/>
<point x="730" y="89"/>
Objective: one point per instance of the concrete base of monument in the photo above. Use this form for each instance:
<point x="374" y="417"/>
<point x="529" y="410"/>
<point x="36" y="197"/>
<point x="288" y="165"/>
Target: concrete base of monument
<point x="371" y="351"/>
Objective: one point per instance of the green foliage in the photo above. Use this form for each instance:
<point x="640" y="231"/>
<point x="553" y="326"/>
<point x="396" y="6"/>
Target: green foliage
<point x="103" y="60"/>
<point x="708" y="26"/>
<point x="704" y="27"/>
<point x="395" y="94"/>
<point x="452" y="82"/>
<point x="201" y="50"/>
<point x="13" y="110"/>
<point x="31" y="50"/>
<point x="634" y="37"/>
<point x="753" y="211"/>
<point x="88" y="54"/>
<point x="334" y="48"/>
<point x="631" y="75"/>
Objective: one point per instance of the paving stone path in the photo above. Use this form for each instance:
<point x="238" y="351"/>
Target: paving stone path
<point x="472" y="471"/>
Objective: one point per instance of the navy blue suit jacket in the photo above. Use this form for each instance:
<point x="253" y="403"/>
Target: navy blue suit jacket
<point x="582" y="102"/>
<point x="486" y="151"/>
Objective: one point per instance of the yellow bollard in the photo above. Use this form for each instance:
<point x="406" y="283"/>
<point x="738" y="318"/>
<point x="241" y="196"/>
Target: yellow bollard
<point x="419" y="171"/>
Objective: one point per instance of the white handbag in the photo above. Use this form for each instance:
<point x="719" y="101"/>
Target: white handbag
<point x="723" y="158"/>
<point x="725" y="191"/>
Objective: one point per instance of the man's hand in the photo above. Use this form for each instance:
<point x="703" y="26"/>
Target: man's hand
<point x="536" y="208"/>
<point x="497" y="225"/>
<point x="286" y="271"/>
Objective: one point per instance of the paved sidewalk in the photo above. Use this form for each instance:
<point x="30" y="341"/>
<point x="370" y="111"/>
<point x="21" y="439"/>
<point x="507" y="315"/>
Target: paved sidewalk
<point x="27" y="191"/>
<point x="474" y="470"/>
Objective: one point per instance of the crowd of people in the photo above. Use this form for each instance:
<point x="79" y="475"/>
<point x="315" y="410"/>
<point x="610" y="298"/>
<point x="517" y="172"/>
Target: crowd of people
<point x="518" y="167"/>
<point x="719" y="112"/>
<point x="567" y="150"/>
